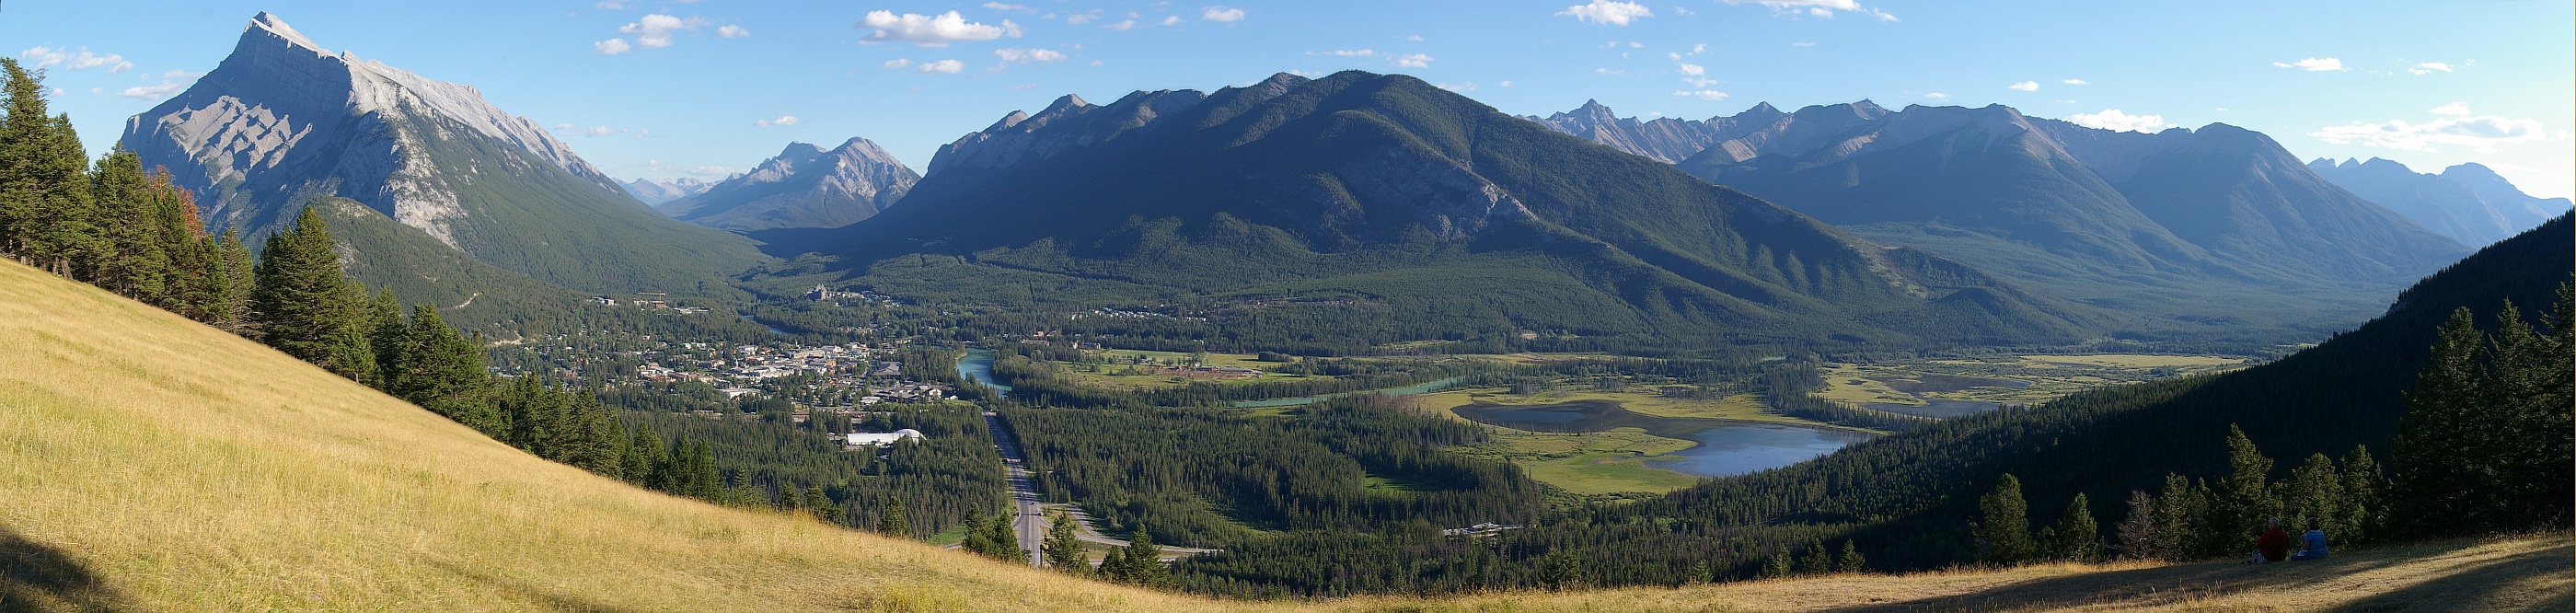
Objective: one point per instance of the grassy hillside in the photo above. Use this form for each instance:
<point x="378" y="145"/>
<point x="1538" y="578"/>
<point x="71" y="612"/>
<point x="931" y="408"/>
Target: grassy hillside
<point x="156" y="465"/>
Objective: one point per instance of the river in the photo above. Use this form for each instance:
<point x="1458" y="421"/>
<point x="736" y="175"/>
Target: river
<point x="977" y="366"/>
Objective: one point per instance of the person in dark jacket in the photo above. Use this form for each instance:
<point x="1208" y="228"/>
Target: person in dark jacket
<point x="2274" y="545"/>
<point x="2312" y="546"/>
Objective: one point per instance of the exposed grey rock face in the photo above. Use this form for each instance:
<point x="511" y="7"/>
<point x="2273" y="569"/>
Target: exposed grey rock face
<point x="1665" y="139"/>
<point x="1068" y="124"/>
<point x="282" y="120"/>
<point x="803" y="187"/>
<point x="2468" y="202"/>
<point x="658" y="192"/>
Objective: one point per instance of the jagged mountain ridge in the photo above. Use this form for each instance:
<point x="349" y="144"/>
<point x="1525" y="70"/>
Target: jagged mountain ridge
<point x="283" y="122"/>
<point x="2181" y="224"/>
<point x="804" y="186"/>
<point x="1355" y="181"/>
<point x="2467" y="202"/>
<point x="1665" y="139"/>
<point x="657" y="192"/>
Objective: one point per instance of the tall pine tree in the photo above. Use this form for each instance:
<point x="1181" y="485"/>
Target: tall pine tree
<point x="2003" y="524"/>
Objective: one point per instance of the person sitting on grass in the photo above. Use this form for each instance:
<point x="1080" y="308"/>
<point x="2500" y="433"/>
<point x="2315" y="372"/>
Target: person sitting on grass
<point x="2273" y="546"/>
<point x="2312" y="545"/>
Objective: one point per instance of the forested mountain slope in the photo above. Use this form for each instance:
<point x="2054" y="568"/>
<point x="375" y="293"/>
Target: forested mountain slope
<point x="2213" y="226"/>
<point x="282" y="122"/>
<point x="1915" y="491"/>
<point x="1403" y="204"/>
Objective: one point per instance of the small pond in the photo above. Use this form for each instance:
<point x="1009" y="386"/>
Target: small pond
<point x="1725" y="447"/>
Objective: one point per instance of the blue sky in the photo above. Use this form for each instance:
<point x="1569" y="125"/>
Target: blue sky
<point x="664" y="88"/>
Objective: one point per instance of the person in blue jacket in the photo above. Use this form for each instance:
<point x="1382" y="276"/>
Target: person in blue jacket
<point x="2312" y="546"/>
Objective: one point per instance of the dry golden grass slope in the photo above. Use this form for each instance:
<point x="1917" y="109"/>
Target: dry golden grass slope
<point x="151" y="464"/>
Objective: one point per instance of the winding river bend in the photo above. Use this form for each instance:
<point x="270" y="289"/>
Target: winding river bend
<point x="977" y="366"/>
<point x="1725" y="447"/>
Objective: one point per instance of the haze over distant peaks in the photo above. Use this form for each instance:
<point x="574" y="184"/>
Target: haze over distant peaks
<point x="658" y="192"/>
<point x="282" y="122"/>
<point x="1665" y="139"/>
<point x="802" y="187"/>
<point x="2467" y="202"/>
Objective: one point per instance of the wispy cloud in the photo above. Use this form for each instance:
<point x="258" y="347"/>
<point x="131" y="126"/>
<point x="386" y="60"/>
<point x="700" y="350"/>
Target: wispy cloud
<point x="782" y="120"/>
<point x="1009" y="7"/>
<point x="2456" y="127"/>
<point x="2028" y="86"/>
<point x="732" y="32"/>
<point x="2076" y="82"/>
<point x="2314" y="64"/>
<point x="1608" y="12"/>
<point x="946" y="66"/>
<point x="1221" y="14"/>
<point x="2423" y="68"/>
<point x="655" y="30"/>
<point x="611" y="46"/>
<point x="1817" y="8"/>
<point x="1703" y="94"/>
<point x="1413" y="60"/>
<point x="48" y="57"/>
<point x="147" y="92"/>
<point x="1028" y="55"/>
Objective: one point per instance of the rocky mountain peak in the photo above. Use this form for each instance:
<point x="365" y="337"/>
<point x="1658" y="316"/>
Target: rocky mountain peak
<point x="805" y="186"/>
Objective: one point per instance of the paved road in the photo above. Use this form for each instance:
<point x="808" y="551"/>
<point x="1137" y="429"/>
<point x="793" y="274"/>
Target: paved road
<point x="1029" y="518"/>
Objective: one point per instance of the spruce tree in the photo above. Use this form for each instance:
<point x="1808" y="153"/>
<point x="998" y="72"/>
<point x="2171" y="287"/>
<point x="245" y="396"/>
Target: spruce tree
<point x="2438" y="481"/>
<point x="1063" y="547"/>
<point x="1558" y="570"/>
<point x="2315" y="493"/>
<point x="644" y="454"/>
<point x="2003" y="524"/>
<point x="2178" y="521"/>
<point x="2077" y="538"/>
<point x="2245" y="498"/>
<point x="302" y="305"/>
<point x="137" y="259"/>
<point x="1851" y="563"/>
<point x="891" y="522"/>
<point x="1778" y="566"/>
<point x="443" y="372"/>
<point x="2364" y="498"/>
<point x="1817" y="561"/>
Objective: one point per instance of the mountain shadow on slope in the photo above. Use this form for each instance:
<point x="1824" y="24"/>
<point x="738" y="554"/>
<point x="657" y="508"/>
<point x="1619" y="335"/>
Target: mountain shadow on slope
<point x="1423" y="211"/>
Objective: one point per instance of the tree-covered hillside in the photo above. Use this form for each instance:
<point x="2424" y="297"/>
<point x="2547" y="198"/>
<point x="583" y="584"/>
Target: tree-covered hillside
<point x="1404" y="204"/>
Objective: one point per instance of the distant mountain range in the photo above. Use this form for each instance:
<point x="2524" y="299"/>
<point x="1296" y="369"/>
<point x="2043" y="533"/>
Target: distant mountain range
<point x="2468" y="202"/>
<point x="2217" y="225"/>
<point x="658" y="192"/>
<point x="803" y="187"/>
<point x="282" y="123"/>
<point x="1665" y="139"/>
<point x="1420" y="213"/>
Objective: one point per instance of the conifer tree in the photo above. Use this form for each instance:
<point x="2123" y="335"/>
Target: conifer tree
<point x="1063" y="548"/>
<point x="2003" y="524"/>
<point x="386" y="334"/>
<point x="1851" y="563"/>
<point x="2181" y="516"/>
<point x="2245" y="500"/>
<point x="443" y="372"/>
<point x="1558" y="570"/>
<point x="46" y="215"/>
<point x="1778" y="566"/>
<point x="2364" y="497"/>
<point x="2078" y="538"/>
<point x="2439" y="481"/>
<point x="644" y="454"/>
<point x="2315" y="492"/>
<point x="301" y="303"/>
<point x="1817" y="561"/>
<point x="136" y="261"/>
<point x="891" y="522"/>
<point x="2136" y="532"/>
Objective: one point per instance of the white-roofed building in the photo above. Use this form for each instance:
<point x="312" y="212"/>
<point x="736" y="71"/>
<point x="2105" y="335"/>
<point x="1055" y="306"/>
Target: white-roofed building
<point x="864" y="439"/>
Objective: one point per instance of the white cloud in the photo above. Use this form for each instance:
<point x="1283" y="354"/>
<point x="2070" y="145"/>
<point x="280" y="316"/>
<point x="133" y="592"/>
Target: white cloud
<point x="1413" y="60"/>
<point x="1817" y="8"/>
<point x="1506" y="84"/>
<point x="611" y="46"/>
<point x="2314" y="64"/>
<point x="45" y="57"/>
<point x="609" y="4"/>
<point x="896" y="63"/>
<point x="1803" y="43"/>
<point x="1459" y="87"/>
<point x="654" y="31"/>
<point x="1024" y="87"/>
<point x="1008" y="7"/>
<point x="2457" y="127"/>
<point x="1029" y="55"/>
<point x="2116" y="121"/>
<point x="1699" y="48"/>
<point x="732" y="32"/>
<point x="1221" y="14"/>
<point x="2076" y="82"/>
<point x="1703" y="94"/>
<point x="782" y="120"/>
<point x="2429" y="68"/>
<point x="1936" y="96"/>
<point x="1608" y="12"/>
<point x="1083" y="17"/>
<point x="573" y="130"/>
<point x="1345" y="53"/>
<point x="145" y="92"/>
<point x="1169" y="20"/>
<point x="2028" y="86"/>
<point x="1606" y="71"/>
<point x="933" y="30"/>
<point x="947" y="66"/>
<point x="1693" y="69"/>
<point x="1122" y="26"/>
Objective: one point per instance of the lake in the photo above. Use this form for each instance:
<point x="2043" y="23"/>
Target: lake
<point x="977" y="366"/>
<point x="1725" y="447"/>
